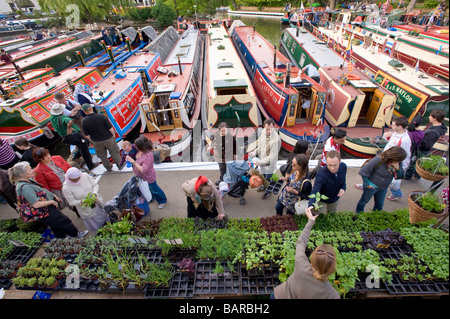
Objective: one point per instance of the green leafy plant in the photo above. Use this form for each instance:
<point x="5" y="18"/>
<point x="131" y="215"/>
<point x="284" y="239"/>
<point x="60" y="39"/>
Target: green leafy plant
<point x="434" y="164"/>
<point x="90" y="200"/>
<point x="318" y="198"/>
<point x="431" y="202"/>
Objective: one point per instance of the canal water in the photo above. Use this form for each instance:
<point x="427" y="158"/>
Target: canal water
<point x="269" y="27"/>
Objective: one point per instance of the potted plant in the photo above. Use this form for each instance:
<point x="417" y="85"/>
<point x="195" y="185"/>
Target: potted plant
<point x="318" y="198"/>
<point x="89" y="201"/>
<point x="424" y="206"/>
<point x="432" y="168"/>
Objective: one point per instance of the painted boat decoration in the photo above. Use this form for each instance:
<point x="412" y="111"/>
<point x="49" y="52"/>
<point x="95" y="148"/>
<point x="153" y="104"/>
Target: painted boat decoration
<point x="354" y="102"/>
<point x="171" y="109"/>
<point x="120" y="92"/>
<point x="13" y="87"/>
<point x="28" y="116"/>
<point x="230" y="96"/>
<point x="416" y="93"/>
<point x="281" y="89"/>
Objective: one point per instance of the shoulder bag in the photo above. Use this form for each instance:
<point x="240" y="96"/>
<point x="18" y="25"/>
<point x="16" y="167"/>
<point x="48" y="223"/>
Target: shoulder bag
<point x="27" y="212"/>
<point x="301" y="205"/>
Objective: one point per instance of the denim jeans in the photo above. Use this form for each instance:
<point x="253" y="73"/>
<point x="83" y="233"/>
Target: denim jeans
<point x="378" y="194"/>
<point x="157" y="193"/>
<point x="279" y="207"/>
<point x="395" y="188"/>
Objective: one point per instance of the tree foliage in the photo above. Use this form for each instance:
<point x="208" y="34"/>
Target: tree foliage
<point x="90" y="10"/>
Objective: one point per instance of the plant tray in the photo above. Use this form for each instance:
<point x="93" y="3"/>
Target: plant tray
<point x="5" y="283"/>
<point x="443" y="286"/>
<point x="274" y="187"/>
<point x="181" y="286"/>
<point x="22" y="254"/>
<point x="177" y="255"/>
<point x="153" y="255"/>
<point x="361" y="286"/>
<point x="260" y="281"/>
<point x="395" y="252"/>
<point x="209" y="283"/>
<point x="85" y="285"/>
<point x="397" y="287"/>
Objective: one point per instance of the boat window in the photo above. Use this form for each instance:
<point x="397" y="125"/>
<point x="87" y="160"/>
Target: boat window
<point x="184" y="49"/>
<point x="223" y="65"/>
<point x="232" y="91"/>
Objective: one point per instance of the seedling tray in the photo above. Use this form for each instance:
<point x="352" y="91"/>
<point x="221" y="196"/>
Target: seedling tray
<point x="260" y="281"/>
<point x="181" y="286"/>
<point x="397" y="287"/>
<point x="5" y="283"/>
<point x="395" y="252"/>
<point x="22" y="254"/>
<point x="361" y="286"/>
<point x="209" y="283"/>
<point x="274" y="187"/>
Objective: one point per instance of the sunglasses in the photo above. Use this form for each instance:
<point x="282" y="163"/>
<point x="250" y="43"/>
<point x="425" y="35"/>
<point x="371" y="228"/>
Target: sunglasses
<point x="321" y="252"/>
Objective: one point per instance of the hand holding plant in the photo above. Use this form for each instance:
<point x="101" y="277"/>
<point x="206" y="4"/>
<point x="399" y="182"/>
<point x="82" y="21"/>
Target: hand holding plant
<point x="89" y="201"/>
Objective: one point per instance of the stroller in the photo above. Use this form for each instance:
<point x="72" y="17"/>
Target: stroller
<point x="236" y="179"/>
<point x="129" y="199"/>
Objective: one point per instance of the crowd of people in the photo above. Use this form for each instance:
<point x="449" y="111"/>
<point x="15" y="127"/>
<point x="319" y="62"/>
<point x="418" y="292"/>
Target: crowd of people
<point x="39" y="185"/>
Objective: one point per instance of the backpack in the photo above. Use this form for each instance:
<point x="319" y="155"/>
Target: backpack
<point x="416" y="140"/>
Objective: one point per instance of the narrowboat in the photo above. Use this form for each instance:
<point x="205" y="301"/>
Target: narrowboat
<point x="28" y="115"/>
<point x="230" y="96"/>
<point x="354" y="102"/>
<point x="291" y="98"/>
<point x="170" y="110"/>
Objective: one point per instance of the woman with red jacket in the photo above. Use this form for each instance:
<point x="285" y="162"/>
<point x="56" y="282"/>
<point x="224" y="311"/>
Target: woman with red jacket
<point x="50" y="172"/>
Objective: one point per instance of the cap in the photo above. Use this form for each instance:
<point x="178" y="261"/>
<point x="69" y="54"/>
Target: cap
<point x="86" y="106"/>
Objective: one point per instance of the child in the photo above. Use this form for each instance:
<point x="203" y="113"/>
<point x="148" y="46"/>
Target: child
<point x="128" y="149"/>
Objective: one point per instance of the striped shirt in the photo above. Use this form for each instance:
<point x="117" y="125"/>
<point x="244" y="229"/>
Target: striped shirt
<point x="7" y="153"/>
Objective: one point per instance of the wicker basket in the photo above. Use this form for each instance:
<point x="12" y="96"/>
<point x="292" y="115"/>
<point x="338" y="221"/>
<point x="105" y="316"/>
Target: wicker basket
<point x="417" y="213"/>
<point x="427" y="175"/>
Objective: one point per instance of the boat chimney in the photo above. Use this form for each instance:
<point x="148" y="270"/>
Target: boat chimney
<point x="3" y="93"/>
<point x="274" y="57"/>
<point x="144" y="83"/>
<point x="70" y="84"/>
<point x="288" y="75"/>
<point x="179" y="66"/>
<point x="127" y="41"/>
<point x="298" y="31"/>
<point x="80" y="58"/>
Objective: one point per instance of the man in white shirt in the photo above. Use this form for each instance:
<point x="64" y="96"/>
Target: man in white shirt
<point x="398" y="136"/>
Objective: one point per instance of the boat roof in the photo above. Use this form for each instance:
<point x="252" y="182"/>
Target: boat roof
<point x="170" y="79"/>
<point x="263" y="53"/>
<point x="54" y="52"/>
<point x="56" y="82"/>
<point x="225" y="68"/>
<point x="318" y="50"/>
<point x="31" y="49"/>
<point x="411" y="50"/>
<point x="184" y="48"/>
<point x="407" y="74"/>
<point x="114" y="85"/>
<point x="403" y="35"/>
<point x="354" y="86"/>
